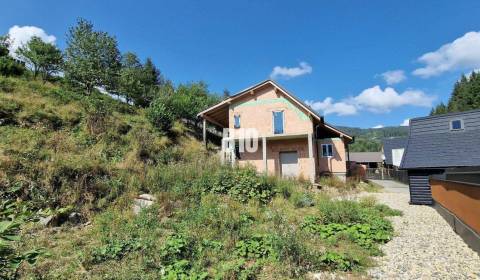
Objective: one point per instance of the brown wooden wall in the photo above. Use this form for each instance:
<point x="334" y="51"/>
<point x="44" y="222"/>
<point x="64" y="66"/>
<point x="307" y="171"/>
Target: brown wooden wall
<point x="463" y="200"/>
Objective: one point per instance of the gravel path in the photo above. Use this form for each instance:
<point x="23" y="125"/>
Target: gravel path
<point x="425" y="246"/>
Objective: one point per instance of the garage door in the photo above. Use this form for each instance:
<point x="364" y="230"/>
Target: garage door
<point x="289" y="164"/>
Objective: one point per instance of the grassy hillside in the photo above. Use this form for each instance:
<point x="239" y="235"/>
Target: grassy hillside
<point x="63" y="153"/>
<point x="370" y="139"/>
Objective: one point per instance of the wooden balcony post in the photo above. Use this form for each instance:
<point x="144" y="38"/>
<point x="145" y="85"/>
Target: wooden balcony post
<point x="205" y="132"/>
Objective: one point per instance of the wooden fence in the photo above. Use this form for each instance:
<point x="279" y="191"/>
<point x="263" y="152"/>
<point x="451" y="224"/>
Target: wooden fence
<point x="387" y="174"/>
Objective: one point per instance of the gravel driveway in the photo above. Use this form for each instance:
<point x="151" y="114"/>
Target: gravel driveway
<point x="425" y="246"/>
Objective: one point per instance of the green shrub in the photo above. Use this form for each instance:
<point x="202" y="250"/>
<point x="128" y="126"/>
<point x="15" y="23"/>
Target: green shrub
<point x="10" y="67"/>
<point x="7" y="84"/>
<point x="361" y="222"/>
<point x="338" y="261"/>
<point x="13" y="215"/>
<point x="241" y="184"/>
<point x="341" y="211"/>
<point x="176" y="248"/>
<point x="116" y="249"/>
<point x="302" y="199"/>
<point x="160" y="115"/>
<point x="256" y="247"/>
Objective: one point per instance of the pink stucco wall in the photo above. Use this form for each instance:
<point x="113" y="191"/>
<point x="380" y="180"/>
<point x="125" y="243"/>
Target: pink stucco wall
<point x="256" y="111"/>
<point x="274" y="147"/>
<point x="336" y="163"/>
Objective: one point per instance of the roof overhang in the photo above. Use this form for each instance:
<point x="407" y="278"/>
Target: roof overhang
<point x="212" y="113"/>
<point x="250" y="90"/>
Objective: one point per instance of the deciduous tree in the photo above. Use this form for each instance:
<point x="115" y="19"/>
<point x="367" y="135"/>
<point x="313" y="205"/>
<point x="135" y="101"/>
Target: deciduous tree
<point x="92" y="58"/>
<point x="43" y="58"/>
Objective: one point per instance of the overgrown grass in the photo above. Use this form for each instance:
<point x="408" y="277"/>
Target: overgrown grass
<point x="93" y="155"/>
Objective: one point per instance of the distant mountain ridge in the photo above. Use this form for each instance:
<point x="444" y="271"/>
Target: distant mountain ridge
<point x="370" y="139"/>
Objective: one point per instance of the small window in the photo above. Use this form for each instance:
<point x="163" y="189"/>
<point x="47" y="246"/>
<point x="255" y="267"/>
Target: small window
<point x="236" y="120"/>
<point x="456" y="125"/>
<point x="327" y="150"/>
<point x="278" y="122"/>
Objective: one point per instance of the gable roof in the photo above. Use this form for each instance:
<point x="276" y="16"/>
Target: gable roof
<point x="431" y="143"/>
<point x="366" y="156"/>
<point x="393" y="143"/>
<point x="298" y="102"/>
<point x="249" y="89"/>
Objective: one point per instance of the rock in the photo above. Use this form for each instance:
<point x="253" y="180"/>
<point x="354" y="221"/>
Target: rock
<point x="47" y="221"/>
<point x="143" y="201"/>
<point x="74" y="218"/>
<point x="146" y="196"/>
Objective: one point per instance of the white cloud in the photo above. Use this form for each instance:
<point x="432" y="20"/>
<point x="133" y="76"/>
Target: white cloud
<point x="376" y="100"/>
<point x="379" y="126"/>
<point x="462" y="53"/>
<point x="327" y="106"/>
<point x="406" y="122"/>
<point x="394" y="76"/>
<point x="21" y="35"/>
<point x="281" y="72"/>
<point x="373" y="99"/>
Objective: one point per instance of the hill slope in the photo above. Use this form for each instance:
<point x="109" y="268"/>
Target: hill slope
<point x="81" y="160"/>
<point x="370" y="139"/>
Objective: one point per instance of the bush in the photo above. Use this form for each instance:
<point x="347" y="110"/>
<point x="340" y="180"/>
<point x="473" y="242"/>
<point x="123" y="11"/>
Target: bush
<point x="10" y="67"/>
<point x="302" y="199"/>
<point x="115" y="250"/>
<point x="256" y="247"/>
<point x="7" y="85"/>
<point x="361" y="222"/>
<point x="338" y="261"/>
<point x="13" y="215"/>
<point x="98" y="115"/>
<point x="160" y="115"/>
<point x="342" y="211"/>
<point x="241" y="184"/>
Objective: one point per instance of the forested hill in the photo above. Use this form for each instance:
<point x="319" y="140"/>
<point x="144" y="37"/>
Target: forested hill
<point x="465" y="96"/>
<point x="370" y="139"/>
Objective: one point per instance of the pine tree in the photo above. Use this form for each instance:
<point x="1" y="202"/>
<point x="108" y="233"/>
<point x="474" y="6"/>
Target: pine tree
<point x="465" y="96"/>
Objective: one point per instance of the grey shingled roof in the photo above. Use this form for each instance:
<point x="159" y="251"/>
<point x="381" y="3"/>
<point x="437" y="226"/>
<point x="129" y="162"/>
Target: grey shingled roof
<point x="366" y="157"/>
<point x="431" y="143"/>
<point x="393" y="143"/>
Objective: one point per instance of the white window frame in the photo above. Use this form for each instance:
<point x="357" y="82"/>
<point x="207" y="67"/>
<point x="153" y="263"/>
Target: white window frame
<point x="326" y="145"/>
<point x="273" y="122"/>
<point x="239" y="121"/>
<point x="462" y="125"/>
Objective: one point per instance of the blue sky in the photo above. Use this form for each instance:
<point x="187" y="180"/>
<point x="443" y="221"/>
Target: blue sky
<point x="330" y="53"/>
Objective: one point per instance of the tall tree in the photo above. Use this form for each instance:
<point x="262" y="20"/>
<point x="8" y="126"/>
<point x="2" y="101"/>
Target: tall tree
<point x="92" y="57"/>
<point x="43" y="58"/>
<point x="8" y="65"/>
<point x="130" y="83"/>
<point x="139" y="83"/>
<point x="465" y="95"/>
<point x="152" y="75"/>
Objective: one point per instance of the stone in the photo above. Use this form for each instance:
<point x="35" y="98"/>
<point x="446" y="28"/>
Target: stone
<point x="46" y="221"/>
<point x="146" y="196"/>
<point x="143" y="201"/>
<point x="74" y="218"/>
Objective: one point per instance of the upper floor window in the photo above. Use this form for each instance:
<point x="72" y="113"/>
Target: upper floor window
<point x="327" y="150"/>
<point x="278" y="122"/>
<point x="456" y="124"/>
<point x="236" y="121"/>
